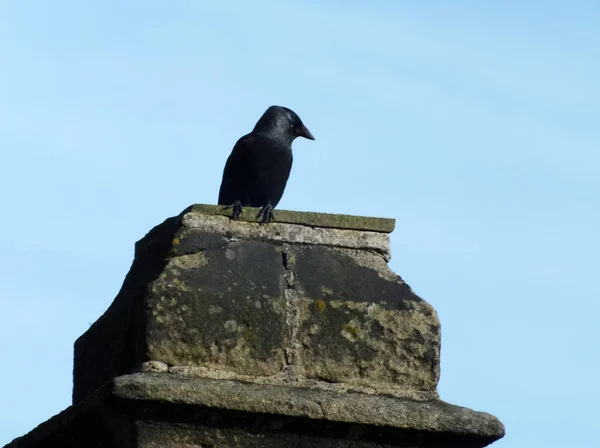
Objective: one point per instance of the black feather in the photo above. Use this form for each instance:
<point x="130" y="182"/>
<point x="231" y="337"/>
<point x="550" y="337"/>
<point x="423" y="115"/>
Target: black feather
<point x="259" y="165"/>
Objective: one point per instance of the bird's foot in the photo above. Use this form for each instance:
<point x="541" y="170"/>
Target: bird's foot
<point x="236" y="209"/>
<point x="266" y="214"/>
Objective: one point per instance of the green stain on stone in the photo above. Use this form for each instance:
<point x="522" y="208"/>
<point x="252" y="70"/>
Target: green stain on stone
<point x="383" y="225"/>
<point x="327" y="291"/>
<point x="320" y="305"/>
<point x="351" y="329"/>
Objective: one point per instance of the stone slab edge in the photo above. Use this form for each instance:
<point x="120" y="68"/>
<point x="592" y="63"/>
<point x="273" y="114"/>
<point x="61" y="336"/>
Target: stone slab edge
<point x="288" y="377"/>
<point x="433" y="416"/>
<point x="383" y="225"/>
<point x="430" y="416"/>
<point x="287" y="233"/>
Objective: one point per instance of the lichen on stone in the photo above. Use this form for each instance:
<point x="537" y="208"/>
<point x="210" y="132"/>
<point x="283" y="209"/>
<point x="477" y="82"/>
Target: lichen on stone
<point x="320" y="305"/>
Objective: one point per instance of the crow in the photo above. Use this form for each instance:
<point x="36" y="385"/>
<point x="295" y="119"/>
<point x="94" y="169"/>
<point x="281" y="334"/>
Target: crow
<point x="259" y="165"/>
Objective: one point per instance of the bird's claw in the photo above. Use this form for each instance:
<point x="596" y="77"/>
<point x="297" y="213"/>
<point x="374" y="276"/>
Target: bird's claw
<point x="266" y="214"/>
<point x="236" y="209"/>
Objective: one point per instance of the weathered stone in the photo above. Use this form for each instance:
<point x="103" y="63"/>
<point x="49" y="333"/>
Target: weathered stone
<point x="197" y="227"/>
<point x="222" y="309"/>
<point x="165" y="410"/>
<point x="293" y="334"/>
<point x="266" y="303"/>
<point x="361" y="325"/>
<point x="154" y="366"/>
<point x="383" y="225"/>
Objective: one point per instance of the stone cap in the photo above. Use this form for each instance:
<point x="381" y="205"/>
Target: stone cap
<point x="208" y="291"/>
<point x="313" y="219"/>
<point x="300" y="228"/>
<point x="385" y="420"/>
<point x="432" y="416"/>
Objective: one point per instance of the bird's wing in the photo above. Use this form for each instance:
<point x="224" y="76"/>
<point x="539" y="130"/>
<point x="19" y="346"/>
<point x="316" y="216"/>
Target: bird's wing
<point x="236" y="181"/>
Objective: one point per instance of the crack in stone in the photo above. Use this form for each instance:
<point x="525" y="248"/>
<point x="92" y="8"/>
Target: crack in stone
<point x="292" y="312"/>
<point x="288" y="274"/>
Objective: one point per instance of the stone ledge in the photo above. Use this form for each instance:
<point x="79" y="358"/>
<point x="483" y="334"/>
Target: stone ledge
<point x="208" y="291"/>
<point x="132" y="409"/>
<point x="203" y="224"/>
<point x="432" y="416"/>
<point x="287" y="377"/>
<point x="351" y="222"/>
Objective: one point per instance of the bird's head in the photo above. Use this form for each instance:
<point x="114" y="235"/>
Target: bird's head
<point x="283" y="123"/>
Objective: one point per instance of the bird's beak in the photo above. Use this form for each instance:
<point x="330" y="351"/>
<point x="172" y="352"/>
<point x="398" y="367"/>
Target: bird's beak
<point x="304" y="132"/>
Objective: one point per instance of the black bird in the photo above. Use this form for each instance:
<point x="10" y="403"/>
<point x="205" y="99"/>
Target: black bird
<point x="259" y="165"/>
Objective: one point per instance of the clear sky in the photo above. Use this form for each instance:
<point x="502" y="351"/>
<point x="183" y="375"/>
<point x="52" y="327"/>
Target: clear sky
<point x="474" y="124"/>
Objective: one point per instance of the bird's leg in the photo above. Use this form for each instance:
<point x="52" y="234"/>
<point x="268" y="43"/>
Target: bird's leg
<point x="236" y="208"/>
<point x="266" y="212"/>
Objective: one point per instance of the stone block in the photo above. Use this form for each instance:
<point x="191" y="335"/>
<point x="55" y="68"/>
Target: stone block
<point x="166" y="410"/>
<point x="231" y="334"/>
<point x="298" y="302"/>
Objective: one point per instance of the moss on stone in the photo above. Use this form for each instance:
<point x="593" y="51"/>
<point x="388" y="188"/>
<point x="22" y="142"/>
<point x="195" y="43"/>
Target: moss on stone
<point x="326" y="291"/>
<point x="384" y="225"/>
<point x="351" y="329"/>
<point x="320" y="305"/>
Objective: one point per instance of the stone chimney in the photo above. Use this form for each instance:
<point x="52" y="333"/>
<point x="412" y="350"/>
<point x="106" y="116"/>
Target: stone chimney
<point x="294" y="334"/>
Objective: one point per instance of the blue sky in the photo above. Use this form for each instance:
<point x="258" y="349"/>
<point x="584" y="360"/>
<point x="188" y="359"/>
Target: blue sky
<point x="473" y="124"/>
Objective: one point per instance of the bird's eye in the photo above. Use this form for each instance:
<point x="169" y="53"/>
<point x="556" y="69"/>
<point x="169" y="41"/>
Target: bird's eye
<point x="292" y="125"/>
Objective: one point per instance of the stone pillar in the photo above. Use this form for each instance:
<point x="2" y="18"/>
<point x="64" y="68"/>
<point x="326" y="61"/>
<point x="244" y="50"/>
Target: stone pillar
<point x="294" y="334"/>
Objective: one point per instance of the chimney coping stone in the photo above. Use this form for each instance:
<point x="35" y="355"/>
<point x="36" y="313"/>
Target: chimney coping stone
<point x="313" y="219"/>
